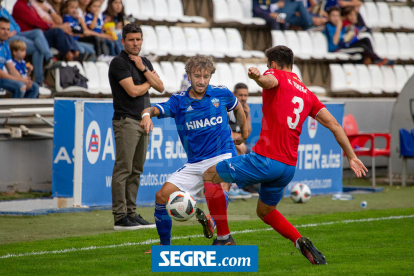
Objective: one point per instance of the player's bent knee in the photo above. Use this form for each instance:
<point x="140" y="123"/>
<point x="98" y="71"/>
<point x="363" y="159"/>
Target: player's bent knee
<point x="161" y="198"/>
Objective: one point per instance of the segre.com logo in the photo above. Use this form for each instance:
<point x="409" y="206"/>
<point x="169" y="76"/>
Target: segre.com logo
<point x="190" y="258"/>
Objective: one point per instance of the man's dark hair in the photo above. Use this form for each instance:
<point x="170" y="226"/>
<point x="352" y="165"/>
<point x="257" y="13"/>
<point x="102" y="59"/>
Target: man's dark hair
<point x="332" y="9"/>
<point x="130" y="28"/>
<point x="282" y="55"/>
<point x="4" y="19"/>
<point x="238" y="86"/>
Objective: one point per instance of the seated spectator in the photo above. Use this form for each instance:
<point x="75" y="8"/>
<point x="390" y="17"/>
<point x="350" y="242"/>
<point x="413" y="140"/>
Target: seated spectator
<point x="57" y="35"/>
<point x="19" y="86"/>
<point x="95" y="23"/>
<point x="81" y="31"/>
<point x="277" y="12"/>
<point x="115" y="13"/>
<point x="36" y="44"/>
<point x="341" y="38"/>
<point x="346" y="3"/>
<point x="49" y="14"/>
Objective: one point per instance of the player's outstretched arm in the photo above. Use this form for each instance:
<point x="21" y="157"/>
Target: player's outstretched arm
<point x="264" y="81"/>
<point x="326" y="119"/>
<point x="146" y="115"/>
<point x="242" y="122"/>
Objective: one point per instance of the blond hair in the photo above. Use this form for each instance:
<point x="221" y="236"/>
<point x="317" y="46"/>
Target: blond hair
<point x="17" y="45"/>
<point x="199" y="62"/>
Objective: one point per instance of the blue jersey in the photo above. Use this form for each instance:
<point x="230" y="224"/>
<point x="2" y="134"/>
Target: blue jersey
<point x="74" y="24"/>
<point x="202" y="124"/>
<point x="98" y="25"/>
<point x="5" y="54"/>
<point x="20" y="67"/>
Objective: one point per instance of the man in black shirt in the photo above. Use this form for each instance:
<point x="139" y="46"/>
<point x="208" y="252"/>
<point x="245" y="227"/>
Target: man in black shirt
<point x="130" y="76"/>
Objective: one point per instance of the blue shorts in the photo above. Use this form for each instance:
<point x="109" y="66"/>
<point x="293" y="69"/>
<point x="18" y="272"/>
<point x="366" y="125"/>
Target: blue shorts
<point x="252" y="168"/>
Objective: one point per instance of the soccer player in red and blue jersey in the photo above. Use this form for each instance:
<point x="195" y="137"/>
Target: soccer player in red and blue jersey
<point x="286" y="105"/>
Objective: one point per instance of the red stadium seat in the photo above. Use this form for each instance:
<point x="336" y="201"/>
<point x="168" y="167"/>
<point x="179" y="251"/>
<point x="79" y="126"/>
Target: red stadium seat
<point x="359" y="144"/>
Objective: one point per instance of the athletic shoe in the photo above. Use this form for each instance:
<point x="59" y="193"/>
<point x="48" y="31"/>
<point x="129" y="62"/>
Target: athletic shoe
<point x="207" y="223"/>
<point x="52" y="64"/>
<point x="149" y="251"/>
<point x="229" y="241"/>
<point x="144" y="224"/>
<point x="304" y="245"/>
<point x="126" y="223"/>
<point x="235" y="193"/>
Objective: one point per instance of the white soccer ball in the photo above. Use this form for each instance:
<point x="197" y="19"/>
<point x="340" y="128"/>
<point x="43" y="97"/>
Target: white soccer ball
<point x="181" y="206"/>
<point x="300" y="193"/>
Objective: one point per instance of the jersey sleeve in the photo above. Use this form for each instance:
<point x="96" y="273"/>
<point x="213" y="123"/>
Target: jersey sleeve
<point x="168" y="108"/>
<point x="119" y="69"/>
<point x="317" y="106"/>
<point x="88" y="19"/>
<point x="272" y="72"/>
<point x="8" y="55"/>
<point x="231" y="100"/>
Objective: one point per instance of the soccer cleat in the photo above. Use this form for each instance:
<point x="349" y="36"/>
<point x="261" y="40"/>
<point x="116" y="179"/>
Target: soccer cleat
<point x="229" y="241"/>
<point x="149" y="251"/>
<point x="304" y="245"/>
<point x="207" y="223"/>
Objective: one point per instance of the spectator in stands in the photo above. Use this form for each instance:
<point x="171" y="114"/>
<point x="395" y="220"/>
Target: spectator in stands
<point x="18" y="52"/>
<point x="48" y="13"/>
<point x="346" y="3"/>
<point x="82" y="32"/>
<point x="82" y="7"/>
<point x="115" y="13"/>
<point x="346" y="40"/>
<point x="19" y="86"/>
<point x="36" y="44"/>
<point x="277" y="12"/>
<point x="58" y="36"/>
<point x="94" y="22"/>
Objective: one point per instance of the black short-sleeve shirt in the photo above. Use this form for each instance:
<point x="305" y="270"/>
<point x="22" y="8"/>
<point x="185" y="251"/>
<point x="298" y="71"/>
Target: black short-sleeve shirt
<point x="122" y="67"/>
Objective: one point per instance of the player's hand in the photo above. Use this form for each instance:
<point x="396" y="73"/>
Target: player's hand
<point x="358" y="167"/>
<point x="238" y="140"/>
<point x="138" y="62"/>
<point x="254" y="73"/>
<point x="146" y="124"/>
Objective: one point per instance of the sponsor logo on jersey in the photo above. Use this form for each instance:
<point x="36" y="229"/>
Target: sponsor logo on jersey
<point x="312" y="127"/>
<point x="216" y="102"/>
<point x="190" y="108"/>
<point x="202" y="123"/>
<point x="92" y="142"/>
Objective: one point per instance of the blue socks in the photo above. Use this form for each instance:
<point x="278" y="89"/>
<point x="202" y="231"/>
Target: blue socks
<point x="164" y="223"/>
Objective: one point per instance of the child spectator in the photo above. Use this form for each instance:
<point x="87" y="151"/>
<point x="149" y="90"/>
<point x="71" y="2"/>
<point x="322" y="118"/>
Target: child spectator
<point x="18" y="79"/>
<point x="345" y="39"/>
<point x="81" y="32"/>
<point x="94" y="22"/>
<point x="115" y="13"/>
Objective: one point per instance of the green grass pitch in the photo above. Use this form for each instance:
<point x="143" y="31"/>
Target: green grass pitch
<point x="377" y="240"/>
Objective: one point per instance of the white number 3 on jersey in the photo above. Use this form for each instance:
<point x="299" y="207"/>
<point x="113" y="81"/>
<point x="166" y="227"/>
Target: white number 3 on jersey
<point x="297" y="112"/>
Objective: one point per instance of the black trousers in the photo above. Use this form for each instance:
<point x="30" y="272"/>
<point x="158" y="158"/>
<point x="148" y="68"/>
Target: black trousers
<point x="99" y="44"/>
<point x="366" y="44"/>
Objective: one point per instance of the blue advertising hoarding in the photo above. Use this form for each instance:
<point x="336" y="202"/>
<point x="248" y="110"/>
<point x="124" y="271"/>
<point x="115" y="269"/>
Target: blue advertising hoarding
<point x="63" y="145"/>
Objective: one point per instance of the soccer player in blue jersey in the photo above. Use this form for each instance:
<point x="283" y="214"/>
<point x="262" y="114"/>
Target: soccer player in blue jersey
<point x="200" y="114"/>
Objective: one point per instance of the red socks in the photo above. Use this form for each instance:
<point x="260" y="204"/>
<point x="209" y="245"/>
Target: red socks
<point x="217" y="204"/>
<point x="282" y="226"/>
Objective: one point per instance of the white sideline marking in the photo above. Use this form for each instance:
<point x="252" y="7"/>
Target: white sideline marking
<point x="151" y="241"/>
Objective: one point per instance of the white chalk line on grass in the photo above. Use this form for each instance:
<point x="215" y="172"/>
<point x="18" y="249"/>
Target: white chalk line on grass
<point x="153" y="241"/>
